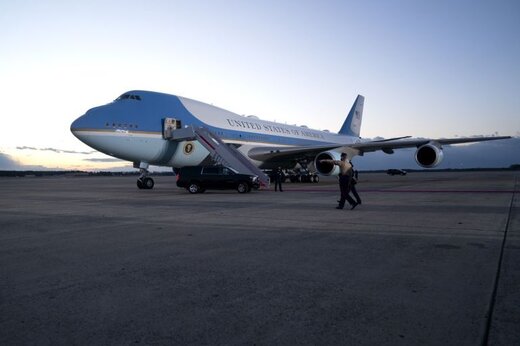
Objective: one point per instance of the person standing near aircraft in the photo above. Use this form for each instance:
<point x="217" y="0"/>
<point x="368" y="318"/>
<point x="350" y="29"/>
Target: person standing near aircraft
<point x="354" y="183"/>
<point x="278" y="178"/>
<point x="345" y="180"/>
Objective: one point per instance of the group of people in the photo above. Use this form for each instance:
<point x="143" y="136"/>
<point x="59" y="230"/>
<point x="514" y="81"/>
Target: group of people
<point x="347" y="181"/>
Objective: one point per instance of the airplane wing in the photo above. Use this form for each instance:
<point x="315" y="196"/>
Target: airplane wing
<point x="389" y="145"/>
<point x="300" y="153"/>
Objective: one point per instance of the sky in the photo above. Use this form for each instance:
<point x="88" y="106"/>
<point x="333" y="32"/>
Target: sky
<point x="426" y="68"/>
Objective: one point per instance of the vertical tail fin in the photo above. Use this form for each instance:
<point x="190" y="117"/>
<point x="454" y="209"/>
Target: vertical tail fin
<point x="352" y="125"/>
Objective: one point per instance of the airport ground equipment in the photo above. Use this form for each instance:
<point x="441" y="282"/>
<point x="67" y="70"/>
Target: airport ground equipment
<point x="303" y="176"/>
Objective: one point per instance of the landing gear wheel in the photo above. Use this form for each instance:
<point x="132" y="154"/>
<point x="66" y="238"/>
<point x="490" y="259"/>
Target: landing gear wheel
<point x="148" y="183"/>
<point x="316" y="179"/>
<point x="145" y="183"/>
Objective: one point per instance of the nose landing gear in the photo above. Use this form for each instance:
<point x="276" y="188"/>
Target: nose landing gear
<point x="144" y="181"/>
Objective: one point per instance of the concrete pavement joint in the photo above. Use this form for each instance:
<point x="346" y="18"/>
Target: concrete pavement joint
<point x="489" y="314"/>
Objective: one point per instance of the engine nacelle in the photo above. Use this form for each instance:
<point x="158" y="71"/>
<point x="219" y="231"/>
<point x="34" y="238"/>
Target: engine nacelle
<point x="429" y="155"/>
<point x="325" y="168"/>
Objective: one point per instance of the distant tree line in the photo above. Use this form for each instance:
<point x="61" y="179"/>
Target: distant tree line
<point x="515" y="167"/>
<point x="72" y="173"/>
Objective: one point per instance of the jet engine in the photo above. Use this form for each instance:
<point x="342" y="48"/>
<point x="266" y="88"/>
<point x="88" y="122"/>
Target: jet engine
<point x="429" y="155"/>
<point x="325" y="168"/>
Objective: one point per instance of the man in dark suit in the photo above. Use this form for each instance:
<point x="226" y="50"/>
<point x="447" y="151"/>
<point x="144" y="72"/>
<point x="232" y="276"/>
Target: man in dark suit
<point x="354" y="183"/>
<point x="278" y="179"/>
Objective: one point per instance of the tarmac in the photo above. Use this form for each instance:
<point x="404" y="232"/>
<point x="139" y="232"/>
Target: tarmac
<point x="427" y="259"/>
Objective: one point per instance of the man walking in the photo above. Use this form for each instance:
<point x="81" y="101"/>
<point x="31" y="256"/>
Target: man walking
<point x="345" y="179"/>
<point x="353" y="184"/>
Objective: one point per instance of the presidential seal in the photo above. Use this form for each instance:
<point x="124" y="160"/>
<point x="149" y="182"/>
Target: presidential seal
<point x="188" y="148"/>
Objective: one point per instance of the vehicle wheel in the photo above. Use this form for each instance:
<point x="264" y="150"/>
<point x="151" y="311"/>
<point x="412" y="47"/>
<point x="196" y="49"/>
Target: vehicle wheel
<point x="193" y="188"/>
<point x="140" y="184"/>
<point x="242" y="187"/>
<point x="316" y="179"/>
<point x="148" y="183"/>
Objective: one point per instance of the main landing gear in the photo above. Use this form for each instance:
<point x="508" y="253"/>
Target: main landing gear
<point x="144" y="181"/>
<point x="302" y="174"/>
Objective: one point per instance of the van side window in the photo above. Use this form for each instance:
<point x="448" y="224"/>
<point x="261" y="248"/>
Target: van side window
<point x="227" y="171"/>
<point x="210" y="170"/>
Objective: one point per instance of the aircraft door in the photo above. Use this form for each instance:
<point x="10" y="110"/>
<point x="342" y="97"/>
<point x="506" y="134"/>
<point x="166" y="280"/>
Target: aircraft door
<point x="170" y="125"/>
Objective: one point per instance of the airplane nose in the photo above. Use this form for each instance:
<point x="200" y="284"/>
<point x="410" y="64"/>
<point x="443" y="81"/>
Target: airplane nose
<point x="74" y="126"/>
<point x="82" y="126"/>
<point x="85" y="122"/>
<point x="77" y="125"/>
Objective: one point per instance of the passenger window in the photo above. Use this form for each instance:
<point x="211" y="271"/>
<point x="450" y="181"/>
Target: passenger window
<point x="227" y="171"/>
<point x="210" y="170"/>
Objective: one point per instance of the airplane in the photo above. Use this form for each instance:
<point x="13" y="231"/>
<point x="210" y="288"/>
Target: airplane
<point x="152" y="128"/>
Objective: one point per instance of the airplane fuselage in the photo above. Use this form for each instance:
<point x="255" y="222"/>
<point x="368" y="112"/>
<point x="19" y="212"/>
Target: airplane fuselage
<point x="131" y="128"/>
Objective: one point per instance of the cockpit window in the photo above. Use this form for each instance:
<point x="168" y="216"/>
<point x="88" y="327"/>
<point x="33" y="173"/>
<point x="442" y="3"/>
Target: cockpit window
<point x="129" y="96"/>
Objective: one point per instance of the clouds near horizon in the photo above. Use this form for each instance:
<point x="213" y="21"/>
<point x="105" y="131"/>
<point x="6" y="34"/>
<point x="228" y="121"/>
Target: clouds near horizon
<point x="58" y="151"/>
<point x="7" y="163"/>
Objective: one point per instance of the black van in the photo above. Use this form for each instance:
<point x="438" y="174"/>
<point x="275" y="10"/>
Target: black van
<point x="199" y="178"/>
